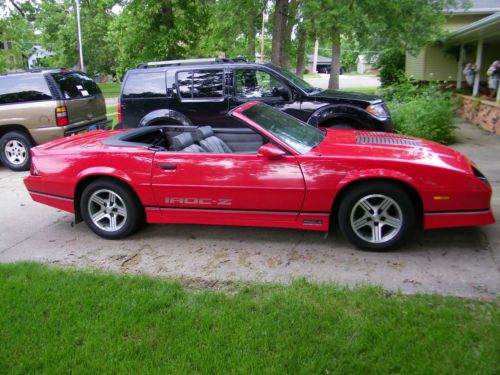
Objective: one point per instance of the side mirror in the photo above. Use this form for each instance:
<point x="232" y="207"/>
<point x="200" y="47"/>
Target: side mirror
<point x="281" y="92"/>
<point x="270" y="151"/>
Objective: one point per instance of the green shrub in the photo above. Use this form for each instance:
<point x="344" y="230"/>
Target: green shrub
<point x="423" y="111"/>
<point x="391" y="63"/>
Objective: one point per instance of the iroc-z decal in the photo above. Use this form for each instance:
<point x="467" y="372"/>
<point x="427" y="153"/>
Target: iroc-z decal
<point x="199" y="201"/>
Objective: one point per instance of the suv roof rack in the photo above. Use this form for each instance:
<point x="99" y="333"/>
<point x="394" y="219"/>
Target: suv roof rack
<point x="35" y="70"/>
<point x="204" y="61"/>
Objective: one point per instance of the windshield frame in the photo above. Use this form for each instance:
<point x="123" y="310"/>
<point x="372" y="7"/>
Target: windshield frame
<point x="281" y="141"/>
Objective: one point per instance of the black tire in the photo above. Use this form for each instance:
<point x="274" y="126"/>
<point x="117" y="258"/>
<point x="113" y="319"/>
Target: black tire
<point x="15" y="152"/>
<point x="366" y="229"/>
<point x="124" y="199"/>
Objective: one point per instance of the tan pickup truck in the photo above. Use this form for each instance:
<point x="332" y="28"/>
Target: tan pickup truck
<point x="39" y="106"/>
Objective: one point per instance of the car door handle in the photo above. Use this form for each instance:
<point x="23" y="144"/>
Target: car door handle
<point x="168" y="166"/>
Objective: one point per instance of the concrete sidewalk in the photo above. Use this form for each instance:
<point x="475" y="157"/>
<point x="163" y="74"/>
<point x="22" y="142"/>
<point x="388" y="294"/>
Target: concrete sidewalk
<point x="462" y="262"/>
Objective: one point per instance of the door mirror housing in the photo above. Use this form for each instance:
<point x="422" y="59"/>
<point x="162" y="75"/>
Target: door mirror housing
<point x="270" y="151"/>
<point x="281" y="92"/>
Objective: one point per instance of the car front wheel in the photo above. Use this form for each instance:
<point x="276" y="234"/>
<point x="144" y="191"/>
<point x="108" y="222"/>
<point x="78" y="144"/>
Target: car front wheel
<point x="111" y="209"/>
<point x="15" y="151"/>
<point x="376" y="216"/>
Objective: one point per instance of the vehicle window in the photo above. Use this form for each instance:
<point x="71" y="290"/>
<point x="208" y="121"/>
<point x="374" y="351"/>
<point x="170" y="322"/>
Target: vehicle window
<point x="295" y="133"/>
<point x="254" y="84"/>
<point x="145" y="85"/>
<point x="184" y="84"/>
<point x="17" y="89"/>
<point x="294" y="78"/>
<point x="208" y="83"/>
<point x="76" y="85"/>
<point x="201" y="84"/>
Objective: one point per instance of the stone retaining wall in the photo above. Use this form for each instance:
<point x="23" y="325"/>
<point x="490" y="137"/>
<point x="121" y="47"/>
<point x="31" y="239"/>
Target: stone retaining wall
<point x="481" y="112"/>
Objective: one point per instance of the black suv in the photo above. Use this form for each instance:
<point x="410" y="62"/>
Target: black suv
<point x="203" y="91"/>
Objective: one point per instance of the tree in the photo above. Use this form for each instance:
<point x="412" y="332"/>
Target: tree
<point x="279" y="32"/>
<point x="418" y="21"/>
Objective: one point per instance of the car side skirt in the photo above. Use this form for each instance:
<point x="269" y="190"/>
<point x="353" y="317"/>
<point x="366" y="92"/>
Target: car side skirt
<point x="434" y="220"/>
<point x="279" y="219"/>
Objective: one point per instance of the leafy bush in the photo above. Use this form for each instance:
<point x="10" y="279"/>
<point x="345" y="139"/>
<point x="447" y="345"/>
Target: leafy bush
<point x="391" y="63"/>
<point x="423" y="111"/>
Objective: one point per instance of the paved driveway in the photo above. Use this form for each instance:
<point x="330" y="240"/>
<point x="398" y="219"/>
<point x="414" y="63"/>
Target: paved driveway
<point x="346" y="81"/>
<point x="462" y="262"/>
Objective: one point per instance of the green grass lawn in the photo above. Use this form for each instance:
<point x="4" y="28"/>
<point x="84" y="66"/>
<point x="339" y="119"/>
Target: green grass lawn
<point x="57" y="321"/>
<point x="110" y="90"/>
<point x="112" y="113"/>
<point x="311" y="75"/>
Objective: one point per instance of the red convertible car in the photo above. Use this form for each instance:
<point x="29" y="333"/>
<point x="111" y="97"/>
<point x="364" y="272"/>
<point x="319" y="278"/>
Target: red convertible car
<point x="275" y="172"/>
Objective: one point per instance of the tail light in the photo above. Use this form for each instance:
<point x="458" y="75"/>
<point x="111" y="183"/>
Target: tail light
<point x="33" y="170"/>
<point x="62" y="116"/>
<point x="119" y="111"/>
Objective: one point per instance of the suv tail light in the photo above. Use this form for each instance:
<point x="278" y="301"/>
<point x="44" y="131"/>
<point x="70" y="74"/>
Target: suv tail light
<point x="119" y="111"/>
<point x="62" y="116"/>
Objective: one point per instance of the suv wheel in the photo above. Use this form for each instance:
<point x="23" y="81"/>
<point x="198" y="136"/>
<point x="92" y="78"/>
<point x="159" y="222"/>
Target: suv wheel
<point x="15" y="151"/>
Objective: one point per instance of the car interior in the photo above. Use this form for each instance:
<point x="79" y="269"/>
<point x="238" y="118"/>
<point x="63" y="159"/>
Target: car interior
<point x="191" y="139"/>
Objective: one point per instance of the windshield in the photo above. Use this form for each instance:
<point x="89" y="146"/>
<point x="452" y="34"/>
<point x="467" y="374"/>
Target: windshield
<point x="296" y="80"/>
<point x="295" y="133"/>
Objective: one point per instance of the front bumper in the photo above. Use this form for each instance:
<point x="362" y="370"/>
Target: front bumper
<point x="433" y="220"/>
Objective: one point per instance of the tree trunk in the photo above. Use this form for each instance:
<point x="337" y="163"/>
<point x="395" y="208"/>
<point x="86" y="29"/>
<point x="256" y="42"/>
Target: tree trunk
<point x="168" y="16"/>
<point x="251" y="31"/>
<point x="334" y="72"/>
<point x="301" y="51"/>
<point x="290" y="23"/>
<point x="279" y="30"/>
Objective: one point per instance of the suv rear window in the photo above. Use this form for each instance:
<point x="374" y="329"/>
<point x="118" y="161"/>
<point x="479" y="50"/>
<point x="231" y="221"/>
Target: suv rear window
<point x="76" y="85"/>
<point x="145" y="85"/>
<point x="200" y="84"/>
<point x="23" y="88"/>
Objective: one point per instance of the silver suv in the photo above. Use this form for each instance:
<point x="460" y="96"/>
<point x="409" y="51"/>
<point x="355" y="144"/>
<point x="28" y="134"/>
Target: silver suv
<point x="39" y="106"/>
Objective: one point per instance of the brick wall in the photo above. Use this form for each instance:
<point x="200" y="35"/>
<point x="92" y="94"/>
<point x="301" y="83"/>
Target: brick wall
<point x="480" y="112"/>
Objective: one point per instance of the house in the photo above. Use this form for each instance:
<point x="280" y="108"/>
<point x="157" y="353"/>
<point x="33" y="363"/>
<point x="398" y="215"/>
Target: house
<point x="323" y="64"/>
<point x="473" y="37"/>
<point x="10" y="58"/>
<point x="37" y="54"/>
<point x="365" y="64"/>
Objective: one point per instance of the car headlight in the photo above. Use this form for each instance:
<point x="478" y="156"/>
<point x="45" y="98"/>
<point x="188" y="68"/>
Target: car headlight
<point x="378" y="110"/>
<point x="479" y="175"/>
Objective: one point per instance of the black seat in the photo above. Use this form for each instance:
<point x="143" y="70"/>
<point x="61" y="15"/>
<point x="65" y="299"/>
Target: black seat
<point x="210" y="142"/>
<point x="184" y="142"/>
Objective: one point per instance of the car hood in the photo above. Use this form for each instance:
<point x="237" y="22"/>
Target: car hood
<point x="390" y="146"/>
<point x="331" y="95"/>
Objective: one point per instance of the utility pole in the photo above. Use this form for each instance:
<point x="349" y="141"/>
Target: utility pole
<point x="82" y="67"/>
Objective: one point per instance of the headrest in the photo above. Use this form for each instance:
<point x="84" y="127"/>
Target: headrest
<point x="204" y="132"/>
<point x="182" y="141"/>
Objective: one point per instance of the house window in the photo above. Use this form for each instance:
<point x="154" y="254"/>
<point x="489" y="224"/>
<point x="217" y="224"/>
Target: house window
<point x="12" y="60"/>
<point x="9" y="45"/>
<point x="2" y="46"/>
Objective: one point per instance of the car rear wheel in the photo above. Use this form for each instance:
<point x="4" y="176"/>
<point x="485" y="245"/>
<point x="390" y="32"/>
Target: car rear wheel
<point x="376" y="216"/>
<point x="111" y="209"/>
<point x="15" y="151"/>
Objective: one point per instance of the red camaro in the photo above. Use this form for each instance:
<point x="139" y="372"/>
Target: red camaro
<point x="274" y="171"/>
